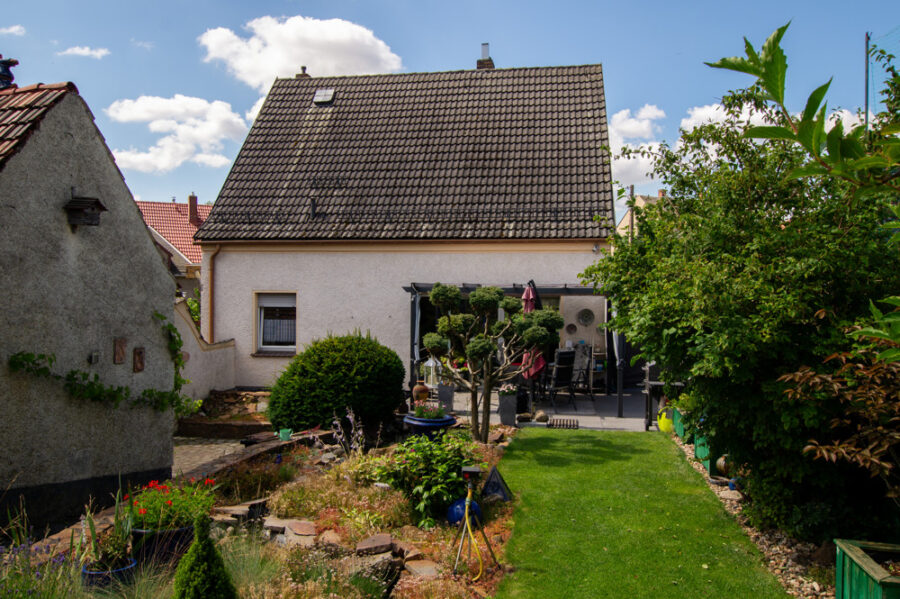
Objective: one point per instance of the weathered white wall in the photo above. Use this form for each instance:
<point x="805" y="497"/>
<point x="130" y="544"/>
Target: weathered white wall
<point x="71" y="293"/>
<point x="342" y="288"/>
<point x="207" y="366"/>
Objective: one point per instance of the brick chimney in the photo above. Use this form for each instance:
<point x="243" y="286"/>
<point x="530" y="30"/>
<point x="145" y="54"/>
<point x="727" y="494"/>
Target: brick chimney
<point x="193" y="215"/>
<point x="485" y="62"/>
<point x="302" y="74"/>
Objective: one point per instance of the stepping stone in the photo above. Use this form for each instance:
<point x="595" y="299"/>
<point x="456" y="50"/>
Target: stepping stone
<point x="303" y="528"/>
<point x="225" y="520"/>
<point x="379" y="543"/>
<point x="275" y="525"/>
<point x="423" y="568"/>
<point x="235" y="511"/>
<point x="293" y="540"/>
<point x="329" y="537"/>
<point x="407" y="551"/>
<point x="732" y="495"/>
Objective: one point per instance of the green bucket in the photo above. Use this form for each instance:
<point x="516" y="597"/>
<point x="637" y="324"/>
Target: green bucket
<point x="285" y="434"/>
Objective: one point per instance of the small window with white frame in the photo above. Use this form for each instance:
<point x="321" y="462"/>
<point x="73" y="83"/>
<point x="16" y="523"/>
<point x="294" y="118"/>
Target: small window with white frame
<point x="277" y="322"/>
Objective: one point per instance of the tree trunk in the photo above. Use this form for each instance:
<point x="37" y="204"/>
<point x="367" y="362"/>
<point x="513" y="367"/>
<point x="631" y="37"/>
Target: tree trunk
<point x="473" y="410"/>
<point x="486" y="406"/>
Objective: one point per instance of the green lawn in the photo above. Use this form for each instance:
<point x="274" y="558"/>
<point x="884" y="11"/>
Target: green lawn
<point x="620" y="514"/>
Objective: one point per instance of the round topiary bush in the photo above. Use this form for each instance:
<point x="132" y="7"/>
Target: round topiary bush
<point x="334" y="374"/>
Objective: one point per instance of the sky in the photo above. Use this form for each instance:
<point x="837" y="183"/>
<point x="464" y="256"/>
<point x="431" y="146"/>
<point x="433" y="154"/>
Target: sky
<point x="174" y="86"/>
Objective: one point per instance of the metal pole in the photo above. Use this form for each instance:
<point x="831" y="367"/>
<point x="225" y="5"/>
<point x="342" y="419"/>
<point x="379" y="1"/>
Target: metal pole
<point x="620" y="377"/>
<point x="868" y="37"/>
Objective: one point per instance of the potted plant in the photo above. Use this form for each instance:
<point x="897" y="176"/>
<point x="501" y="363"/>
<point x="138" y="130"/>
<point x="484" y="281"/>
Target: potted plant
<point x="428" y="419"/>
<point x="164" y="514"/>
<point x="507" y="401"/>
<point x="107" y="556"/>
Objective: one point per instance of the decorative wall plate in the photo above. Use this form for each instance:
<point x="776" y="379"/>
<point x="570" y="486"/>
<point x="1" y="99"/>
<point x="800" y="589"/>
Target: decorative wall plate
<point x="571" y="328"/>
<point x="585" y="317"/>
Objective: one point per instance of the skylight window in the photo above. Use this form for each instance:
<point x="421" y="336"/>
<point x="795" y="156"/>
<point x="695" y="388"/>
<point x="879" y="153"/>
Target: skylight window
<point x="323" y="96"/>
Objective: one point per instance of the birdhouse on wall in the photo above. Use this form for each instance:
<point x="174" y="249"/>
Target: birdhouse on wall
<point x="83" y="211"/>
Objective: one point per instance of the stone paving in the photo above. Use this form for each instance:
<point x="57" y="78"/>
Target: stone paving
<point x="191" y="452"/>
<point x="597" y="414"/>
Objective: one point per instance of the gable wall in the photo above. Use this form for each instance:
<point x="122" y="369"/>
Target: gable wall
<point x="71" y="293"/>
<point x="343" y="287"/>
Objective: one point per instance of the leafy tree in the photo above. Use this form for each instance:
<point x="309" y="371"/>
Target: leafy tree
<point x="866" y="381"/>
<point x="743" y="273"/>
<point x="481" y="351"/>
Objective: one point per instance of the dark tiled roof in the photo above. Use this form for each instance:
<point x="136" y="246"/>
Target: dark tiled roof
<point x="486" y="154"/>
<point x="171" y="220"/>
<point x="21" y="110"/>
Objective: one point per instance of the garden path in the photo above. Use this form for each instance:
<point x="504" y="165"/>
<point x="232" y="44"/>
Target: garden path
<point x="191" y="452"/>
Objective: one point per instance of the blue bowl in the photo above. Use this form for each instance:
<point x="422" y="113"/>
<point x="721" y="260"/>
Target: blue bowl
<point x="457" y="511"/>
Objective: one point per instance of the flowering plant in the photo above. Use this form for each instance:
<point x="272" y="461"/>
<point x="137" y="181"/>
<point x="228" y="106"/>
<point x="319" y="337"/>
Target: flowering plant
<point x="171" y="504"/>
<point x="110" y="549"/>
<point x="423" y="409"/>
<point x="507" y="389"/>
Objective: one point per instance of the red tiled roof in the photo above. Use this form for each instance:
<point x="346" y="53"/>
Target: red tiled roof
<point x="170" y="220"/>
<point x="22" y="108"/>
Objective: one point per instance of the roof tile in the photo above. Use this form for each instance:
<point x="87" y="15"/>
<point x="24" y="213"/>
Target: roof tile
<point x="21" y="110"/>
<point x="170" y="220"/>
<point x="489" y="154"/>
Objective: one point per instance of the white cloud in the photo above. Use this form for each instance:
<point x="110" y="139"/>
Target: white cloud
<point x="715" y="113"/>
<point x="250" y="115"/>
<point x="140" y="44"/>
<point x="277" y="47"/>
<point x="12" y="30"/>
<point x="641" y="127"/>
<point x="97" y="53"/>
<point x="195" y="129"/>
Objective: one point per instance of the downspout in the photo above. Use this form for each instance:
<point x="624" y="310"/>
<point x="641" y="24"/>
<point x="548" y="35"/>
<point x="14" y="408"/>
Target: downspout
<point x="212" y="288"/>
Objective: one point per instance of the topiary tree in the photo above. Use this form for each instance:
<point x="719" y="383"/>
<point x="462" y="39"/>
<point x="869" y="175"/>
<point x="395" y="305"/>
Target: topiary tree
<point x="201" y="573"/>
<point x="492" y="349"/>
<point x="333" y="374"/>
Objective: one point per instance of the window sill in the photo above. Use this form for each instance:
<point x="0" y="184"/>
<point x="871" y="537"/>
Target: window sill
<point x="273" y="354"/>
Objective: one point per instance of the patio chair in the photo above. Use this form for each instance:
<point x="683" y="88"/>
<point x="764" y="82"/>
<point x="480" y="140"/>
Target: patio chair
<point x="581" y="372"/>
<point x="561" y="375"/>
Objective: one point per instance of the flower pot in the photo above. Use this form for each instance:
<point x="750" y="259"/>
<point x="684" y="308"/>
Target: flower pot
<point x="507" y="409"/>
<point x="420" y="391"/>
<point x="161" y="546"/>
<point x="102" y="578"/>
<point x="431" y="427"/>
<point x="859" y="576"/>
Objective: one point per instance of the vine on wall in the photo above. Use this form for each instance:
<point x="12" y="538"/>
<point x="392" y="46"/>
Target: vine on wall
<point x="86" y="386"/>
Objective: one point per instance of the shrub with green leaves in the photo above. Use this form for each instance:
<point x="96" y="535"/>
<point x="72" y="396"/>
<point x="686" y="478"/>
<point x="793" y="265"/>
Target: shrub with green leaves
<point x="429" y="472"/>
<point x="201" y="573"/>
<point x="334" y="374"/>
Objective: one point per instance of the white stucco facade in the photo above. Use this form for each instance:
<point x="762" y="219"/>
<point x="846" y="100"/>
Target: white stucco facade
<point x="207" y="366"/>
<point x="359" y="286"/>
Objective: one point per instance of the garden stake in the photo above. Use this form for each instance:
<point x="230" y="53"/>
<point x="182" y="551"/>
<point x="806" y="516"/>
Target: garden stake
<point x="465" y="529"/>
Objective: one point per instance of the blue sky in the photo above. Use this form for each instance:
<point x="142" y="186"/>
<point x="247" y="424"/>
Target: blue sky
<point x="172" y="85"/>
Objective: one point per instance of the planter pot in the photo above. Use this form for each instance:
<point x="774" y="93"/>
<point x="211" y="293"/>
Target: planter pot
<point x="507" y="409"/>
<point x="678" y="420"/>
<point x="859" y="576"/>
<point x="102" y="578"/>
<point x="161" y="546"/>
<point x="431" y="427"/>
<point x="704" y="453"/>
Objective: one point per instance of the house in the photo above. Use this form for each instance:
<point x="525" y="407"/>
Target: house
<point x="173" y="226"/>
<point x="82" y="281"/>
<point x="627" y="224"/>
<point x="352" y="196"/>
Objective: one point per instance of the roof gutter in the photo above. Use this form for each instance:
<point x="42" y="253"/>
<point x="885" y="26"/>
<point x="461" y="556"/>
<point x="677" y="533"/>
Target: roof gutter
<point x="212" y="289"/>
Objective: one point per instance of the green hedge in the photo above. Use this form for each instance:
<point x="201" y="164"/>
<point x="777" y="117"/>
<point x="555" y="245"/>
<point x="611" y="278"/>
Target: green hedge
<point x="334" y="374"/>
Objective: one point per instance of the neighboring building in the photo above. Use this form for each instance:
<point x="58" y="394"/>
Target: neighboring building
<point x="351" y="196"/>
<point x="81" y="281"/>
<point x="173" y="227"/>
<point x="628" y="224"/>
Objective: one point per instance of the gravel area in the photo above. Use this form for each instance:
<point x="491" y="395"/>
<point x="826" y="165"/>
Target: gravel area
<point x="787" y="558"/>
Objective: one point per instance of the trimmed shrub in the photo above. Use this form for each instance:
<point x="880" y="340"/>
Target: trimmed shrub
<point x="201" y="573"/>
<point x="334" y="374"/>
